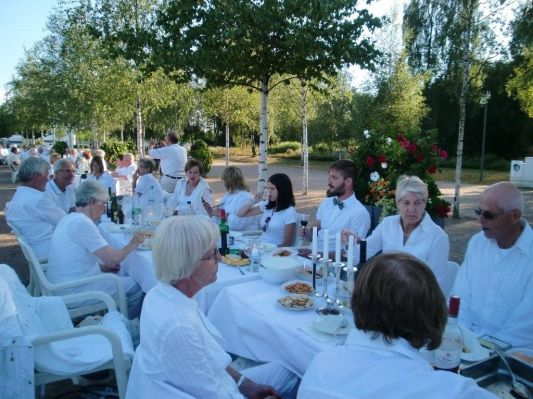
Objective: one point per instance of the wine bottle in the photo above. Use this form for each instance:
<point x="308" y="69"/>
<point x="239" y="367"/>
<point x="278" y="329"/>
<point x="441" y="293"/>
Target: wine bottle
<point x="114" y="209"/>
<point x="120" y="215"/>
<point x="448" y="354"/>
<point x="108" y="207"/>
<point x="224" y="231"/>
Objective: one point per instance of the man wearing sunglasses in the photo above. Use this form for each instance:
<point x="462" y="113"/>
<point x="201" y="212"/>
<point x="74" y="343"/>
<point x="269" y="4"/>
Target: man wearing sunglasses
<point x="495" y="282"/>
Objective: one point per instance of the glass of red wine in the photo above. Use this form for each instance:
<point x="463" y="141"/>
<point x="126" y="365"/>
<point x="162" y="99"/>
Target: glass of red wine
<point x="304" y="220"/>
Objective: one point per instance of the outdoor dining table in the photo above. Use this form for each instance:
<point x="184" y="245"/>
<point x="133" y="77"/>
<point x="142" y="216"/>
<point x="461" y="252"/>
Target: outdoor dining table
<point x="257" y="327"/>
<point x="118" y="237"/>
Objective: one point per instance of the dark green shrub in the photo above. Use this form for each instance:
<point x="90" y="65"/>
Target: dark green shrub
<point x="200" y="151"/>
<point x="284" y="147"/>
<point x="114" y="148"/>
<point x="60" y="147"/>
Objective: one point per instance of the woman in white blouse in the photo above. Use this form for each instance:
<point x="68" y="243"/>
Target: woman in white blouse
<point x="144" y="182"/>
<point x="278" y="216"/>
<point x="190" y="194"/>
<point x="412" y="231"/>
<point x="102" y="176"/>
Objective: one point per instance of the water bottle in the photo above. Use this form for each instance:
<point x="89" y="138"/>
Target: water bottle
<point x="255" y="259"/>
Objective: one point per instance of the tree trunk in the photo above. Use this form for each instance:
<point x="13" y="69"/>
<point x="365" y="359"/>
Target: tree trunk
<point x="122" y="133"/>
<point x="263" y="138"/>
<point x="462" y="112"/>
<point x="95" y="135"/>
<point x="227" y="139"/>
<point x="305" y="152"/>
<point x="138" y="123"/>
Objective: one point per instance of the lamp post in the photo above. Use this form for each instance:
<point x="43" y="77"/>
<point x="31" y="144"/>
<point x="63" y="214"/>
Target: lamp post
<point x="483" y="101"/>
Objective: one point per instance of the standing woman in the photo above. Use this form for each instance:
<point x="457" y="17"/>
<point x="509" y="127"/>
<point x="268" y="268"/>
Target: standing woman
<point x="193" y="190"/>
<point x="102" y="176"/>
<point x="278" y="220"/>
<point x="237" y="195"/>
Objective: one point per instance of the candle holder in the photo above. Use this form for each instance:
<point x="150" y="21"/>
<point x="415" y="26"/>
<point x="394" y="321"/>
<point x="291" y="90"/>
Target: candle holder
<point x="350" y="273"/>
<point x="324" y="262"/>
<point x="314" y="258"/>
<point x="338" y="267"/>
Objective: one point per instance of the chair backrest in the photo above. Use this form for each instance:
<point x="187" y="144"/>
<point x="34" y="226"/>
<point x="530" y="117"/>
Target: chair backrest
<point x="449" y="278"/>
<point x="37" y="268"/>
<point x="13" y="228"/>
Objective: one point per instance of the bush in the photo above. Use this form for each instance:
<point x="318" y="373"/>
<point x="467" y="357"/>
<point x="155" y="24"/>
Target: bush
<point x="200" y="151"/>
<point x="284" y="147"/>
<point x="114" y="148"/>
<point x="60" y="147"/>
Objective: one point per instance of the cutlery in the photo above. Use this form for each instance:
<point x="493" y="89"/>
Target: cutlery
<point x="241" y="271"/>
<point x="517" y="388"/>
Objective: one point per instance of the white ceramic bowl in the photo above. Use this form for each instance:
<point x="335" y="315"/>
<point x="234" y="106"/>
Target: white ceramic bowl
<point x="276" y="270"/>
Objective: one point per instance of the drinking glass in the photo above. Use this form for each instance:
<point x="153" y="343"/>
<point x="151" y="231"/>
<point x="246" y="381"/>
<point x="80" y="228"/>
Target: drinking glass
<point x="304" y="220"/>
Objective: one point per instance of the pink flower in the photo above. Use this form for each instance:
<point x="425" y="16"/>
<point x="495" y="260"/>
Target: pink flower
<point x="419" y="157"/>
<point x="435" y="148"/>
<point x="443" y="154"/>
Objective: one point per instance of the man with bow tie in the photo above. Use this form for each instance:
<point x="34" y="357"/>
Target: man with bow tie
<point x="340" y="210"/>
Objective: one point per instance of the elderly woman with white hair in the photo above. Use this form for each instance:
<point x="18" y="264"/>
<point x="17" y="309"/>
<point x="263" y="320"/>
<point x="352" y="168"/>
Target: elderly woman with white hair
<point x="412" y="231"/>
<point x="78" y="249"/>
<point x="180" y="354"/>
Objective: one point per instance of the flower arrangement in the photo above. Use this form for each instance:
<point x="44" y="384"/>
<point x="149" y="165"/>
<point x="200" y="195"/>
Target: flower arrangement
<point x="381" y="160"/>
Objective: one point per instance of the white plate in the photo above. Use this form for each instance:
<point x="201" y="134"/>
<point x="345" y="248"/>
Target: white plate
<point x="308" y="274"/>
<point x="525" y="351"/>
<point x="475" y="352"/>
<point x="283" y="252"/>
<point x="331" y="325"/>
<point x="285" y="285"/>
<point x="296" y="308"/>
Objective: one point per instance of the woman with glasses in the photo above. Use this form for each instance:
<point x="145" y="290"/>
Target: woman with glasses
<point x="412" y="231"/>
<point x="180" y="353"/>
<point x="278" y="216"/>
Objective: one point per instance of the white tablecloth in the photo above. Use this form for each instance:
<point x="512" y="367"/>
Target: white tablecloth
<point x="257" y="327"/>
<point x="144" y="272"/>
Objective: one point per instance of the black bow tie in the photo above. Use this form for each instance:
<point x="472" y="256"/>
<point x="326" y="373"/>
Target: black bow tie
<point x="337" y="202"/>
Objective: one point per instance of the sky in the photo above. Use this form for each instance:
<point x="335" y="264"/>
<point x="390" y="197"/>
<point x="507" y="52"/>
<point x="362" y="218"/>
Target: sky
<point x="23" y="23"/>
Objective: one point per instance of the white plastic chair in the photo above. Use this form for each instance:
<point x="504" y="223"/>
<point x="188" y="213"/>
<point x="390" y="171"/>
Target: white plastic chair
<point x="449" y="278"/>
<point x="45" y="287"/>
<point x="61" y="351"/>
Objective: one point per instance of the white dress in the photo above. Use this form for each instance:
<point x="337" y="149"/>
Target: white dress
<point x="179" y="201"/>
<point x="371" y="368"/>
<point x="275" y="228"/>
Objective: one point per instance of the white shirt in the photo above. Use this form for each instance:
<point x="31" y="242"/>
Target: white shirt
<point x="371" y="368"/>
<point x="353" y="216"/>
<point x="232" y="202"/>
<point x="173" y="158"/>
<point x="35" y="216"/>
<point x="496" y="288"/>
<point x="180" y="351"/>
<point x="105" y="180"/>
<point x="14" y="159"/>
<point x="145" y="184"/>
<point x="275" y="228"/>
<point x="178" y="199"/>
<point x="428" y="242"/>
<point x="127" y="171"/>
<point x="64" y="200"/>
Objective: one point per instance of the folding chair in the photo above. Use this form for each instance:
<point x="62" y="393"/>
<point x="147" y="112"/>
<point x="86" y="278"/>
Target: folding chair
<point x="45" y="287"/>
<point x="60" y="351"/>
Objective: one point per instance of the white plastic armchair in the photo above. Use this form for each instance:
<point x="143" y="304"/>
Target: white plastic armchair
<point x="61" y="351"/>
<point x="449" y="278"/>
<point x="45" y="287"/>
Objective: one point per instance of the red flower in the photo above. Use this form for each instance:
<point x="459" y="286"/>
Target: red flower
<point x="432" y="169"/>
<point x="370" y="161"/>
<point x="443" y="154"/>
<point x="419" y="157"/>
<point x="435" y="148"/>
<point x="381" y="158"/>
<point x="442" y="210"/>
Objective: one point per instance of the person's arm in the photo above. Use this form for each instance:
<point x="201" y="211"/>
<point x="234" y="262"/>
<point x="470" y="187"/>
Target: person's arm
<point x="249" y="388"/>
<point x="288" y="235"/>
<point x="251" y="208"/>
<point x="49" y="212"/>
<point x="112" y="256"/>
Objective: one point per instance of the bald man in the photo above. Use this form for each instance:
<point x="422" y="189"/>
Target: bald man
<point x="495" y="282"/>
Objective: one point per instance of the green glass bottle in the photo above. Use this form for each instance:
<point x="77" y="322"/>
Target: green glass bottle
<point x="224" y="231"/>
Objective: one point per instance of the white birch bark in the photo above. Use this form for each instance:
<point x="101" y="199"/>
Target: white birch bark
<point x="462" y="112"/>
<point x="227" y="133"/>
<point x="305" y="152"/>
<point x="263" y="138"/>
<point x="138" y="123"/>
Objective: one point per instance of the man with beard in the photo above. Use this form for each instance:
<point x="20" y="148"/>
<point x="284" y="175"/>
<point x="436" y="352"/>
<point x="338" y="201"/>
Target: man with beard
<point x="340" y="210"/>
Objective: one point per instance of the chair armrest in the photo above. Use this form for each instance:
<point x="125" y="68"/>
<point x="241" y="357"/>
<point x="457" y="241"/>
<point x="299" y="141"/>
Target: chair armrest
<point x="98" y="295"/>
<point x="121" y="295"/>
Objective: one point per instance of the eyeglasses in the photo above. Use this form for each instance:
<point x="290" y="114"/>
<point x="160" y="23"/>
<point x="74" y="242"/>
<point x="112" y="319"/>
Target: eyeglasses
<point x="213" y="256"/>
<point x="489" y="215"/>
<point x="264" y="227"/>
<point x="67" y="171"/>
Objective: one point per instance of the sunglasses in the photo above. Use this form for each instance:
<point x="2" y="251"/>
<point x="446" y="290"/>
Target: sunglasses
<point x="264" y="227"/>
<point x="489" y="215"/>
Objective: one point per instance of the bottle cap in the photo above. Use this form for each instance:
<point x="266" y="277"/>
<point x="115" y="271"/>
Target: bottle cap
<point x="453" y="308"/>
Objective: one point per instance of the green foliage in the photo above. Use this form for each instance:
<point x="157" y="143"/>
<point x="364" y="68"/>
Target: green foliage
<point x="114" y="148"/>
<point x="60" y="147"/>
<point x="521" y="85"/>
<point x="285" y="147"/>
<point x="200" y="151"/>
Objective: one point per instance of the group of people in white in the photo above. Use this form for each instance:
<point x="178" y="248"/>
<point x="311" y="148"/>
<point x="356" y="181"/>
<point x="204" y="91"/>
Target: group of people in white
<point x="180" y="352"/>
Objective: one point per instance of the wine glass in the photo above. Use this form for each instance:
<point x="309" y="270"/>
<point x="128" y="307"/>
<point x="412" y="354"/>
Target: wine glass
<point x="304" y="220"/>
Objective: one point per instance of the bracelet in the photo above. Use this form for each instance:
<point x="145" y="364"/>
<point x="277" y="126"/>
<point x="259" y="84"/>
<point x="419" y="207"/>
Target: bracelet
<point x="241" y="380"/>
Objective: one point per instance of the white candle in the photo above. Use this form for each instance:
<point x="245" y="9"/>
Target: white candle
<point x="338" y="248"/>
<point x="350" y="253"/>
<point x="325" y="252"/>
<point x="315" y="240"/>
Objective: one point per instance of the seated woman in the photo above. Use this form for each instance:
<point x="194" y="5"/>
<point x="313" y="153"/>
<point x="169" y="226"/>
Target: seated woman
<point x="180" y="354"/>
<point x="102" y="176"/>
<point x="144" y="183"/>
<point x="412" y="231"/>
<point x="191" y="193"/>
<point x="237" y="195"/>
<point x="78" y="249"/>
<point x="278" y="220"/>
<point x="397" y="309"/>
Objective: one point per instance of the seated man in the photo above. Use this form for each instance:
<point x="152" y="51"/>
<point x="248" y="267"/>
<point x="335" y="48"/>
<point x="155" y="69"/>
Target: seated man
<point x="126" y="169"/>
<point x="341" y="210"/>
<point x="398" y="308"/>
<point x="29" y="211"/>
<point x="61" y="189"/>
<point x="495" y="282"/>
